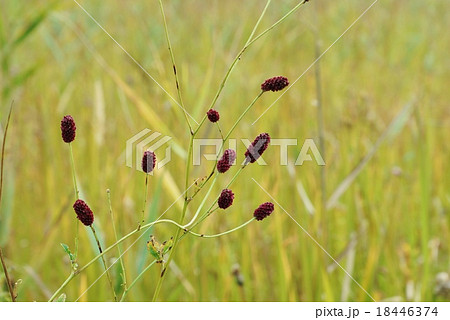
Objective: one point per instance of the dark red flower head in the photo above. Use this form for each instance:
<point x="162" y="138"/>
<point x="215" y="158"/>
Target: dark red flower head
<point x="84" y="213"/>
<point x="148" y="161"/>
<point x="213" y="115"/>
<point x="275" y="84"/>
<point x="68" y="129"/>
<point x="226" y="161"/>
<point x="225" y="199"/>
<point x="264" y="210"/>
<point x="256" y="149"/>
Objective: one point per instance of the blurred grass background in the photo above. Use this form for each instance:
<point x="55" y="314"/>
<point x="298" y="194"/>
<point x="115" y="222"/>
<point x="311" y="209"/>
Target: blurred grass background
<point x="390" y="227"/>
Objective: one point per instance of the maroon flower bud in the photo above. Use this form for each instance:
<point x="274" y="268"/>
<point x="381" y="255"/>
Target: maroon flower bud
<point x="264" y="210"/>
<point x="275" y="84"/>
<point x="68" y="129"/>
<point x="84" y="213"/>
<point x="225" y="199"/>
<point x="148" y="161"/>
<point x="226" y="161"/>
<point x="256" y="149"/>
<point x="213" y="115"/>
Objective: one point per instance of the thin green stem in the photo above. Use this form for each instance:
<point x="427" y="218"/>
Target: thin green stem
<point x="61" y="288"/>
<point x="177" y="81"/>
<point x="183" y="214"/>
<point x="220" y="131"/>
<point x="275" y="24"/>
<point x="320" y="117"/>
<point x="202" y="203"/>
<point x="233" y="64"/>
<point x="224" y="139"/>
<point x="7" y="278"/>
<point x="222" y="233"/>
<point x="93" y="260"/>
<point x="116" y="237"/>
<point x="210" y="211"/>
<point x="74" y="175"/>
<point x="136" y="280"/>
<point x="242" y="115"/>
<point x="5" y="269"/>
<point x="104" y="263"/>
<point x="77" y="196"/>
<point x="141" y="222"/>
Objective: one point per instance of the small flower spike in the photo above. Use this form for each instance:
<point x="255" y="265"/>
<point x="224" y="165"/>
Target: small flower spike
<point x="264" y="210"/>
<point x="256" y="149"/>
<point x="226" y="199"/>
<point x="148" y="161"/>
<point x="226" y="161"/>
<point x="275" y="84"/>
<point x="84" y="213"/>
<point x="68" y="129"/>
<point x="213" y="115"/>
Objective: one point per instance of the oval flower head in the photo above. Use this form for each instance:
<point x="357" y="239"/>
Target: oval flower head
<point x="256" y="149"/>
<point x="68" y="129"/>
<point x="226" y="161"/>
<point x="84" y="213"/>
<point x="275" y="84"/>
<point x="213" y="115"/>
<point x="148" y="161"/>
<point x="263" y="211"/>
<point x="226" y="199"/>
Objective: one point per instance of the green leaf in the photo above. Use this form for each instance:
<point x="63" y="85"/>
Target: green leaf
<point x="67" y="250"/>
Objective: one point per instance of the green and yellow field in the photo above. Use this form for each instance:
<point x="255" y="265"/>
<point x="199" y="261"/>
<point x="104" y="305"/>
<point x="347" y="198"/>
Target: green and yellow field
<point x="378" y="99"/>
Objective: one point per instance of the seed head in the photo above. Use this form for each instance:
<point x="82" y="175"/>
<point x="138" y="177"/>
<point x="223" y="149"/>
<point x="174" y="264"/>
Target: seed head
<point x="84" y="213"/>
<point x="226" y="161"/>
<point x="225" y="199"/>
<point x="68" y="129"/>
<point x="148" y="161"/>
<point x="256" y="149"/>
<point x="213" y="115"/>
<point x="275" y="84"/>
<point x="264" y="210"/>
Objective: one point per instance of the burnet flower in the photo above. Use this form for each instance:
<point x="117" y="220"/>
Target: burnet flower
<point x="84" y="213"/>
<point x="263" y="211"/>
<point x="148" y="161"/>
<point x="68" y="129"/>
<point x="275" y="84"/>
<point x="213" y="115"/>
<point x="225" y="199"/>
<point x="256" y="149"/>
<point x="226" y="160"/>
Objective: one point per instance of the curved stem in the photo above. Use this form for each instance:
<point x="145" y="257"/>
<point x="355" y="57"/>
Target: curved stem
<point x="124" y="276"/>
<point x="222" y="233"/>
<point x="136" y="280"/>
<point x="202" y="203"/>
<point x="210" y="211"/>
<point x="104" y="263"/>
<point x="125" y="237"/>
